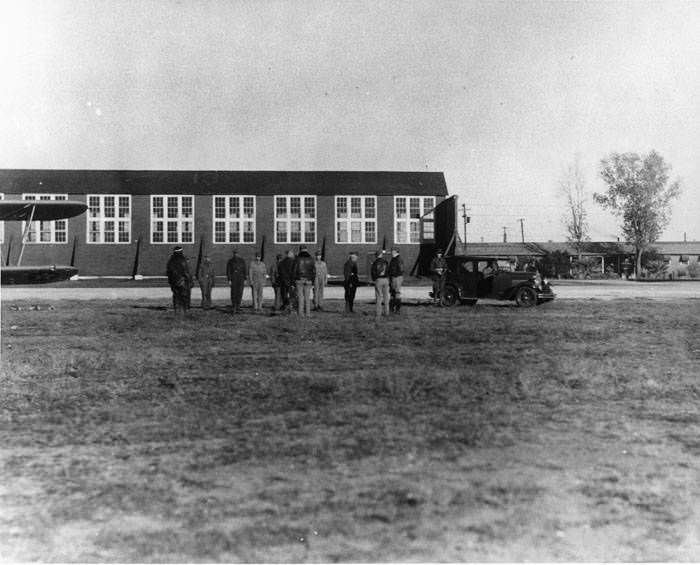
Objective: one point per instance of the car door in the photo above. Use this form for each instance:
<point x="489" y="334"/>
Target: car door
<point x="470" y="278"/>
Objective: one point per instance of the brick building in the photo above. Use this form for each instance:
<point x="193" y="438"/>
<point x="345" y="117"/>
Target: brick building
<point x="147" y="213"/>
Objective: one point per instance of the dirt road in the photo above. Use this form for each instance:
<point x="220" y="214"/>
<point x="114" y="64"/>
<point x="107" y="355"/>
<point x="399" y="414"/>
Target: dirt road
<point x="565" y="290"/>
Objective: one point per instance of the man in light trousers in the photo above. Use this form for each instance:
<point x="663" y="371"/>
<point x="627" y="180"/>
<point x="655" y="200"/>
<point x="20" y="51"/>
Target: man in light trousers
<point x="380" y="276"/>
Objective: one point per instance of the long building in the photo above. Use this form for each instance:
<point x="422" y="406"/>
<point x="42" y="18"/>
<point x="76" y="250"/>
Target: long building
<point x="135" y="218"/>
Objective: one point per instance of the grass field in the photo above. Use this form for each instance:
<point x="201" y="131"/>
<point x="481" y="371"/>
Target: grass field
<point x="565" y="432"/>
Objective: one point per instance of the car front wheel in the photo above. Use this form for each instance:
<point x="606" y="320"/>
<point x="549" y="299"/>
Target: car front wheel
<point x="525" y="297"/>
<point x="449" y="297"/>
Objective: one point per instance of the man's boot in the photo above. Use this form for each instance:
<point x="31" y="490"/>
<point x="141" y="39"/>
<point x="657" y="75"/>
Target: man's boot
<point x="398" y="306"/>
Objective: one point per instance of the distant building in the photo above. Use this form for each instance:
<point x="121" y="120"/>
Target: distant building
<point x="144" y="214"/>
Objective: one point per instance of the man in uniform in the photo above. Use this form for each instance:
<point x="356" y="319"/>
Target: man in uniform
<point x="285" y="271"/>
<point x="257" y="273"/>
<point x="275" y="282"/>
<point x="438" y="270"/>
<point x="207" y="280"/>
<point x="395" y="280"/>
<point x="235" y="273"/>
<point x="304" y="275"/>
<point x="350" y="281"/>
<point x="320" y="280"/>
<point x="380" y="276"/>
<point x="180" y="280"/>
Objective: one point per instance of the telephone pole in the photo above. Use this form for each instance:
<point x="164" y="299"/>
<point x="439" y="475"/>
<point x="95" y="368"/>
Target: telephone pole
<point x="467" y="219"/>
<point x="522" y="229"/>
<point x="505" y="235"/>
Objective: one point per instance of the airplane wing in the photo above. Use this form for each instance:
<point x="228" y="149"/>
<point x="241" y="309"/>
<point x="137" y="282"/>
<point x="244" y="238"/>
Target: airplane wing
<point x="36" y="274"/>
<point x="44" y="210"/>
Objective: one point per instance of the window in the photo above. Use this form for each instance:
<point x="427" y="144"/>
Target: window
<point x="407" y="218"/>
<point x="234" y="219"/>
<point x="2" y="224"/>
<point x="109" y="218"/>
<point x="172" y="219"/>
<point x="295" y="219"/>
<point x="54" y="231"/>
<point x="355" y="219"/>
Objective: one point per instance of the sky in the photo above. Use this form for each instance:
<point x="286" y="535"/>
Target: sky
<point x="500" y="96"/>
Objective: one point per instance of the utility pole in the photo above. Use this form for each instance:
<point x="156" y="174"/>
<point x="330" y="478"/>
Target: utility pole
<point x="467" y="219"/>
<point x="522" y="229"/>
<point x="505" y="236"/>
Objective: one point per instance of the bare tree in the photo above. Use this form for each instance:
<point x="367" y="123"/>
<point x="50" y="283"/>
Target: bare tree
<point x="572" y="186"/>
<point x="638" y="193"/>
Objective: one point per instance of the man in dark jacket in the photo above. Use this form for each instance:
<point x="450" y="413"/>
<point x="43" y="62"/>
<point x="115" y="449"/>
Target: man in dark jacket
<point x="438" y="271"/>
<point x="304" y="275"/>
<point x="285" y="275"/>
<point x="273" y="273"/>
<point x="350" y="281"/>
<point x="180" y="280"/>
<point x="395" y="280"/>
<point x="380" y="276"/>
<point x="236" y="273"/>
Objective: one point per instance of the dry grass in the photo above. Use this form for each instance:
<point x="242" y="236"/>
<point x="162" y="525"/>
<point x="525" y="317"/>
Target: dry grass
<point x="567" y="432"/>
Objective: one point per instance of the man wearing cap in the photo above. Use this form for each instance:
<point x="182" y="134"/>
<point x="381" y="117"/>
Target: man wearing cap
<point x="257" y="273"/>
<point x="438" y="271"/>
<point x="180" y="280"/>
<point x="395" y="280"/>
<point x="380" y="276"/>
<point x="285" y="275"/>
<point x="304" y="274"/>
<point x="320" y="280"/>
<point x="274" y="275"/>
<point x="350" y="281"/>
<point x="235" y="273"/>
<point x="207" y="280"/>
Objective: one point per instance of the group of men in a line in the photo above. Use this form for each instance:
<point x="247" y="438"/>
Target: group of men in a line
<point x="293" y="277"/>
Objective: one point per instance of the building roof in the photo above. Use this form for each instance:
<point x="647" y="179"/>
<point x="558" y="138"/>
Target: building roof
<point x="589" y="248"/>
<point x="17" y="181"/>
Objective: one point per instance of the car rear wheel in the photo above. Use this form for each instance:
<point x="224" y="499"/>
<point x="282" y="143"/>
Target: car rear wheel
<point x="449" y="297"/>
<point x="525" y="297"/>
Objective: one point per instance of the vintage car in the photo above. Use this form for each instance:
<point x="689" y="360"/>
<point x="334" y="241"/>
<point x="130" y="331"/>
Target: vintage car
<point x="470" y="278"/>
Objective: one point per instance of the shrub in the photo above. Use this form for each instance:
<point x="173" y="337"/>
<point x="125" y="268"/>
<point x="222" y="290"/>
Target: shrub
<point x="694" y="270"/>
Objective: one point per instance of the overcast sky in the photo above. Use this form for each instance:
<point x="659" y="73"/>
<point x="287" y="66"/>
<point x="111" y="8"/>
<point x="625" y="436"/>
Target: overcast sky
<point x="500" y="96"/>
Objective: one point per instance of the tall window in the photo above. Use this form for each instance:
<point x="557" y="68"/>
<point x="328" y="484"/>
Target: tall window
<point x="355" y="219"/>
<point x="234" y="219"/>
<point x="54" y="231"/>
<point x="172" y="219"/>
<point x="295" y="219"/>
<point x="407" y="213"/>
<point x="109" y="218"/>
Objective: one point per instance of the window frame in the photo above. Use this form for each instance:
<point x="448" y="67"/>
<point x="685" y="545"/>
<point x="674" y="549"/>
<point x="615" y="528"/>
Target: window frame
<point x="228" y="221"/>
<point x="37" y="226"/>
<point x="413" y="225"/>
<point x="363" y="219"/>
<point x="102" y="219"/>
<point x="302" y="219"/>
<point x="180" y="220"/>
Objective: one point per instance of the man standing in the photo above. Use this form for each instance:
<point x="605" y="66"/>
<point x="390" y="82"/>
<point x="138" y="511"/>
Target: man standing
<point x="380" y="276"/>
<point x="275" y="282"/>
<point x="350" y="281"/>
<point x="320" y="280"/>
<point x="207" y="280"/>
<point x="257" y="273"/>
<point x="180" y="280"/>
<point x="235" y="273"/>
<point x="304" y="275"/>
<point x="395" y="280"/>
<point x="438" y="270"/>
<point x="285" y="274"/>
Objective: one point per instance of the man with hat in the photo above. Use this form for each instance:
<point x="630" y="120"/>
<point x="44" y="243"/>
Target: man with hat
<point x="207" y="280"/>
<point x="257" y="273"/>
<point x="236" y="273"/>
<point x="438" y="271"/>
<point x="395" y="280"/>
<point x="180" y="280"/>
<point x="350" y="281"/>
<point x="304" y="274"/>
<point x="275" y="281"/>
<point x="320" y="280"/>
<point x="380" y="277"/>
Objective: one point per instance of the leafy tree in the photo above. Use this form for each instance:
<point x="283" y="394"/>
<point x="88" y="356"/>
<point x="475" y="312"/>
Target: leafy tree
<point x="572" y="186"/>
<point x="638" y="193"/>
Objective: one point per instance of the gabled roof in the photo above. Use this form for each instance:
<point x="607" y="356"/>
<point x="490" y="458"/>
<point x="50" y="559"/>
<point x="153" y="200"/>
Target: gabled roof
<point x="677" y="247"/>
<point x="17" y="181"/>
